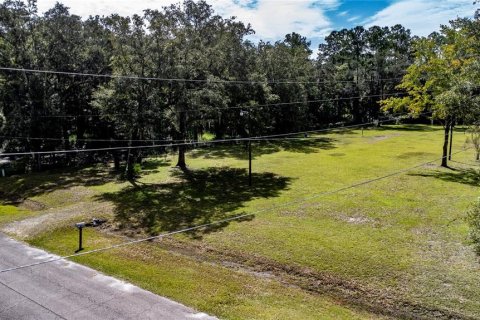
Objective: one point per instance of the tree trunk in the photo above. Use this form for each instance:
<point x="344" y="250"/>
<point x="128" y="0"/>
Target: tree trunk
<point x="181" y="163"/>
<point x="181" y="158"/>
<point x="132" y="154"/>
<point x="37" y="163"/>
<point x="130" y="164"/>
<point x="445" y="144"/>
<point x="116" y="161"/>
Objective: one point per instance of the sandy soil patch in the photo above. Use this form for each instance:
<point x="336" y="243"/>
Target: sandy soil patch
<point x="57" y="216"/>
<point x="376" y="139"/>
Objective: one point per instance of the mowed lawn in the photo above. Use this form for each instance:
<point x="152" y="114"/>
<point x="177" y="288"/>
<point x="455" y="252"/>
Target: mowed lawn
<point x="397" y="246"/>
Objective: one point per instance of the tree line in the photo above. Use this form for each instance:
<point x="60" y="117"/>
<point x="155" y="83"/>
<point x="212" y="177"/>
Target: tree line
<point x="445" y="80"/>
<point x="200" y="74"/>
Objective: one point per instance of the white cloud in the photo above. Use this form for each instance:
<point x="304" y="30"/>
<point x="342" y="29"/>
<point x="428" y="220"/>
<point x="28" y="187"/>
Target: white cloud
<point x="422" y="16"/>
<point x="85" y="8"/>
<point x="271" y="19"/>
<point x="355" y="18"/>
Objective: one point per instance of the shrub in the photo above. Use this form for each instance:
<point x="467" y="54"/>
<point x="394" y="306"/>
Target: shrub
<point x="474" y="139"/>
<point x="207" y="136"/>
<point x="473" y="218"/>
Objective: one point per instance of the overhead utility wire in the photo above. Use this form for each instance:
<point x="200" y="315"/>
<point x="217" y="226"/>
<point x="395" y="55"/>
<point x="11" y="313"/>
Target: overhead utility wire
<point x="280" y="104"/>
<point x="335" y="128"/>
<point x="248" y="107"/>
<point x="398" y="114"/>
<point x="91" y="140"/>
<point x="196" y="143"/>
<point x="243" y="216"/>
<point x="130" y="77"/>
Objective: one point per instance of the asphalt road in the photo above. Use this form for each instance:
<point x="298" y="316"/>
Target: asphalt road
<point x="66" y="290"/>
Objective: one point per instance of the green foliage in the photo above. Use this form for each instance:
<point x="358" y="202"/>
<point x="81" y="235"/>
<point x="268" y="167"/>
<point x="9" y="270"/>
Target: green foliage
<point x="208" y="136"/>
<point x="131" y="173"/>
<point x="473" y="219"/>
<point x="474" y="139"/>
<point x="354" y="63"/>
<point x="178" y="42"/>
<point x="444" y="77"/>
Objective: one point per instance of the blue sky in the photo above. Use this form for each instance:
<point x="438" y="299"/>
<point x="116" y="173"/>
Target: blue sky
<point x="272" y="19"/>
<point x="350" y="13"/>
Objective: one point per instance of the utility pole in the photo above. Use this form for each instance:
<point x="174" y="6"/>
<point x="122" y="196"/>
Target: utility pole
<point x="249" y="128"/>
<point x="249" y="149"/>
<point x="250" y="163"/>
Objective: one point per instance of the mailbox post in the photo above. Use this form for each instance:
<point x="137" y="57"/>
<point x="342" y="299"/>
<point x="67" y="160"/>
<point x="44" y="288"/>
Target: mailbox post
<point x="95" y="223"/>
<point x="80" y="227"/>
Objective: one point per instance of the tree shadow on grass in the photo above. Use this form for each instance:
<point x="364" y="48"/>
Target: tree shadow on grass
<point x="409" y="127"/>
<point x="465" y="176"/>
<point x="195" y="198"/>
<point x="264" y="147"/>
<point x="151" y="166"/>
<point x="15" y="189"/>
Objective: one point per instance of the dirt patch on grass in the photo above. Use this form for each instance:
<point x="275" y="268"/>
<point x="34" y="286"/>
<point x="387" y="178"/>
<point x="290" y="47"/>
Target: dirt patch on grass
<point x="68" y="196"/>
<point x="31" y="205"/>
<point x="376" y="139"/>
<point x="359" y="220"/>
<point x="53" y="218"/>
<point x="356" y="218"/>
<point x="382" y="302"/>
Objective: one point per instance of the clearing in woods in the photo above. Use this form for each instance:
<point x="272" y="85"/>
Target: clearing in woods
<point x="397" y="247"/>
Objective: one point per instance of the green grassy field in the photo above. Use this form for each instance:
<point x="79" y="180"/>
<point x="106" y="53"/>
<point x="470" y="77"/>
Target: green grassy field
<point x="396" y="247"/>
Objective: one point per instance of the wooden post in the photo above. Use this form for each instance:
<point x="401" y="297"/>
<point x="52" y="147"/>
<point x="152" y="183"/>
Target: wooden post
<point x="249" y="149"/>
<point x="80" y="239"/>
<point x="250" y="163"/>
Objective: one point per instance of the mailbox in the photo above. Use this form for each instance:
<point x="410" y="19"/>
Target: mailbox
<point x="80" y="225"/>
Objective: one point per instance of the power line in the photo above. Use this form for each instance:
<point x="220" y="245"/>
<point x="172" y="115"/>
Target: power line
<point x="254" y="106"/>
<point x="307" y="102"/>
<point x="195" y="143"/>
<point x="335" y="128"/>
<point x="132" y="77"/>
<point x="154" y="140"/>
<point x="92" y="140"/>
<point x="243" y="216"/>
